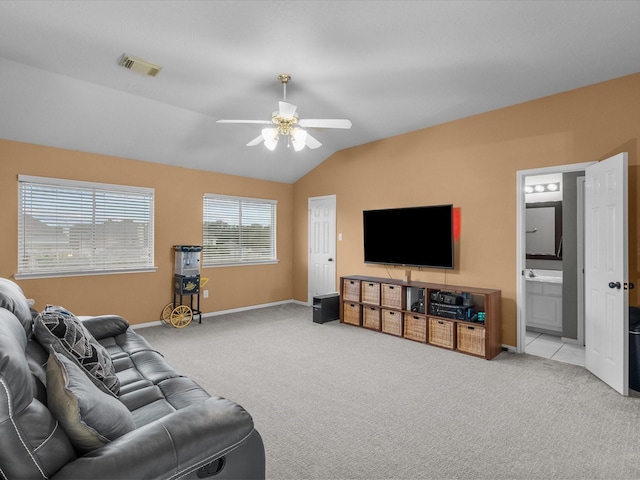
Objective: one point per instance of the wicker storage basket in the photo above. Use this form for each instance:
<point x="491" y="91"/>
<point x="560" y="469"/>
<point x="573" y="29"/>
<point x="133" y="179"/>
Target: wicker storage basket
<point x="391" y="296"/>
<point x="371" y="293"/>
<point x="371" y="317"/>
<point x="392" y="322"/>
<point x="471" y="339"/>
<point x="351" y="291"/>
<point x="351" y="313"/>
<point x="441" y="333"/>
<point x="415" y="327"/>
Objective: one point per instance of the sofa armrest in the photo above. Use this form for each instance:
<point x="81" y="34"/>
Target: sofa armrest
<point x="171" y="447"/>
<point x="103" y="326"/>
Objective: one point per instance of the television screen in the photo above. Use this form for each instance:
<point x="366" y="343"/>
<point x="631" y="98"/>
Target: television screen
<point x="413" y="236"/>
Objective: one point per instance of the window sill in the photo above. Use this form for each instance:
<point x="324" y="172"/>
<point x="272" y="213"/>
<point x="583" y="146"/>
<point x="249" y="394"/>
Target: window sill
<point x="29" y="276"/>
<point x="243" y="264"/>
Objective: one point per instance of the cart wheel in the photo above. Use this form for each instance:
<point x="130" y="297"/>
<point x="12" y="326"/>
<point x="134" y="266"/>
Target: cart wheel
<point x="181" y="316"/>
<point x="166" y="313"/>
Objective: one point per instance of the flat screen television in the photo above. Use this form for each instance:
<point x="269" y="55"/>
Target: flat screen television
<point x="412" y="236"/>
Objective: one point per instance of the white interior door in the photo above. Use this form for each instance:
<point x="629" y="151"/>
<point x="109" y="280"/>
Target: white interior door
<point x="322" y="245"/>
<point x="606" y="272"/>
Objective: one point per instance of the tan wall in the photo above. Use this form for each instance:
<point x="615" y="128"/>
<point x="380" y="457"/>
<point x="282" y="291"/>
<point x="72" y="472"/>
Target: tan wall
<point x="178" y="220"/>
<point x="472" y="163"/>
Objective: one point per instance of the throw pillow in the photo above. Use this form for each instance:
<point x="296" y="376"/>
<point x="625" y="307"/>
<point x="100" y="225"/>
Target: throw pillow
<point x="89" y="417"/>
<point x="60" y="329"/>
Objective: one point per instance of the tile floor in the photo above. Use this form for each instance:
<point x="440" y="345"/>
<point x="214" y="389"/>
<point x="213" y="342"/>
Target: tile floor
<point x="549" y="346"/>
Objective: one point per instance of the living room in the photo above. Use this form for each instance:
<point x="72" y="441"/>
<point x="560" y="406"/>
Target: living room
<point x="555" y="130"/>
<point x="471" y="163"/>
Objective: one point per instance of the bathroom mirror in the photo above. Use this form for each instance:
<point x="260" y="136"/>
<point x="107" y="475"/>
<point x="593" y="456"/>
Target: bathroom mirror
<point x="544" y="230"/>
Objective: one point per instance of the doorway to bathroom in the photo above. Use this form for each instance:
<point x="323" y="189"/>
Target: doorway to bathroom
<point x="606" y="266"/>
<point x="551" y="249"/>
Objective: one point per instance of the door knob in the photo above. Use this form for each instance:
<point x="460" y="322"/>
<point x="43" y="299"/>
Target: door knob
<point x="629" y="286"/>
<point x="614" y="285"/>
<point x="330" y="260"/>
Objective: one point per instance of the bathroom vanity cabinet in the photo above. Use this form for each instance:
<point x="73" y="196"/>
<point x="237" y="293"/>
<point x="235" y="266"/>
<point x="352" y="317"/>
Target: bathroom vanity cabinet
<point x="403" y="309"/>
<point x="544" y="306"/>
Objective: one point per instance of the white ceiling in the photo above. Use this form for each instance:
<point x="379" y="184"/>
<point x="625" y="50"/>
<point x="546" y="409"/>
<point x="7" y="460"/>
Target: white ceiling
<point x="389" y="66"/>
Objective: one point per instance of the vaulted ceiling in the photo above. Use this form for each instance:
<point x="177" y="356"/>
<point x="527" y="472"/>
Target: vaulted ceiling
<point x="390" y="67"/>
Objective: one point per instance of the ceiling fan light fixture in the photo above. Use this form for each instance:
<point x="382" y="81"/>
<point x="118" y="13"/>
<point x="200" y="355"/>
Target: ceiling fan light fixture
<point x="285" y="121"/>
<point x="299" y="139"/>
<point x="270" y="136"/>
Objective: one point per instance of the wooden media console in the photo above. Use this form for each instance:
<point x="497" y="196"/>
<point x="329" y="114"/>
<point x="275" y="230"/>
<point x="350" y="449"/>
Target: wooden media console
<point x="448" y="317"/>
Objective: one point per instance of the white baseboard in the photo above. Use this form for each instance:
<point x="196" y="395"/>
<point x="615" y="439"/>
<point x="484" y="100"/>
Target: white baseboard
<point x="224" y="312"/>
<point x="298" y="302"/>
<point x="146" y="324"/>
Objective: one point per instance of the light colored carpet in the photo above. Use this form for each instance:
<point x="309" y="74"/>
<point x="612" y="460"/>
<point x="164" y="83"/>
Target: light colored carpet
<point x="333" y="401"/>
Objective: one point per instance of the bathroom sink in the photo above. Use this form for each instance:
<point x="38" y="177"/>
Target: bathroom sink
<point x="544" y="276"/>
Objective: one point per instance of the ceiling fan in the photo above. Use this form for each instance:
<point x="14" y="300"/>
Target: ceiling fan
<point x="286" y="123"/>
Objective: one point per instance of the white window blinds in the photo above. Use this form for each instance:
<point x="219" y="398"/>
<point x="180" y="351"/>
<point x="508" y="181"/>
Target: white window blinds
<point x="238" y="230"/>
<point x="67" y="227"/>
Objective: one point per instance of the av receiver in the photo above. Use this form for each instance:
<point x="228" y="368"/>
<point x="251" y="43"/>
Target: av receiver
<point x="448" y="298"/>
<point x="457" y="312"/>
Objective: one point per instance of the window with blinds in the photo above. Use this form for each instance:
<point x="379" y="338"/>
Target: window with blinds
<point x="238" y="230"/>
<point x="67" y="227"/>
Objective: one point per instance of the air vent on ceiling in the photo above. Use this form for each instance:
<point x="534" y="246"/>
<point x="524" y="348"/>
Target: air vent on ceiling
<point x="139" y="66"/>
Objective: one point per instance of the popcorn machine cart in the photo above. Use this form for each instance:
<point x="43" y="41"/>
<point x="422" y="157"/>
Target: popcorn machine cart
<point x="186" y="283"/>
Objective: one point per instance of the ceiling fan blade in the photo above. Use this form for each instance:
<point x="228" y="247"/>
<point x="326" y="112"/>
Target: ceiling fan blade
<point x="312" y="142"/>
<point x="325" y="123"/>
<point x="287" y="110"/>
<point x="256" y="141"/>
<point x="260" y="122"/>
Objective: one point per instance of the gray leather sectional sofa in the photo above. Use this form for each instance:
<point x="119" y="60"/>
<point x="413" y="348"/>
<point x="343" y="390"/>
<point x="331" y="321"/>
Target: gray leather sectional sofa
<point x="90" y="398"/>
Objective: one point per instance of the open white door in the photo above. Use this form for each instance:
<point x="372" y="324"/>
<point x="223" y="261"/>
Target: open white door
<point x="322" y="245"/>
<point x="606" y="272"/>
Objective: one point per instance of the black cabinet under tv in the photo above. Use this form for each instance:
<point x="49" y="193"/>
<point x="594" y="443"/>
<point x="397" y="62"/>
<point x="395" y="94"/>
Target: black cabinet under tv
<point x="445" y="316"/>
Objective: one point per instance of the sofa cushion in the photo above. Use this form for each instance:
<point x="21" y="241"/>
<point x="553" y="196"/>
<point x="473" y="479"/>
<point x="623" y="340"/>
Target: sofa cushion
<point x="60" y="329"/>
<point x="90" y="417"/>
<point x="12" y="298"/>
<point x="105" y="326"/>
<point x="32" y="443"/>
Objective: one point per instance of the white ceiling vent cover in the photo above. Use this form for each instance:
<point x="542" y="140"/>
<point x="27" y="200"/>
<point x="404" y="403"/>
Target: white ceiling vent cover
<point x="140" y="66"/>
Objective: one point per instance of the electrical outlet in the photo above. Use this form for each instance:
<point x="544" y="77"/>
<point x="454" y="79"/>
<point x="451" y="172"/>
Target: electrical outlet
<point x="205" y="293"/>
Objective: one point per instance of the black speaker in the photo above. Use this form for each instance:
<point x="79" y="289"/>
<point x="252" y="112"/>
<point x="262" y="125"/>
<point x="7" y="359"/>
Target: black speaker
<point x="326" y="308"/>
